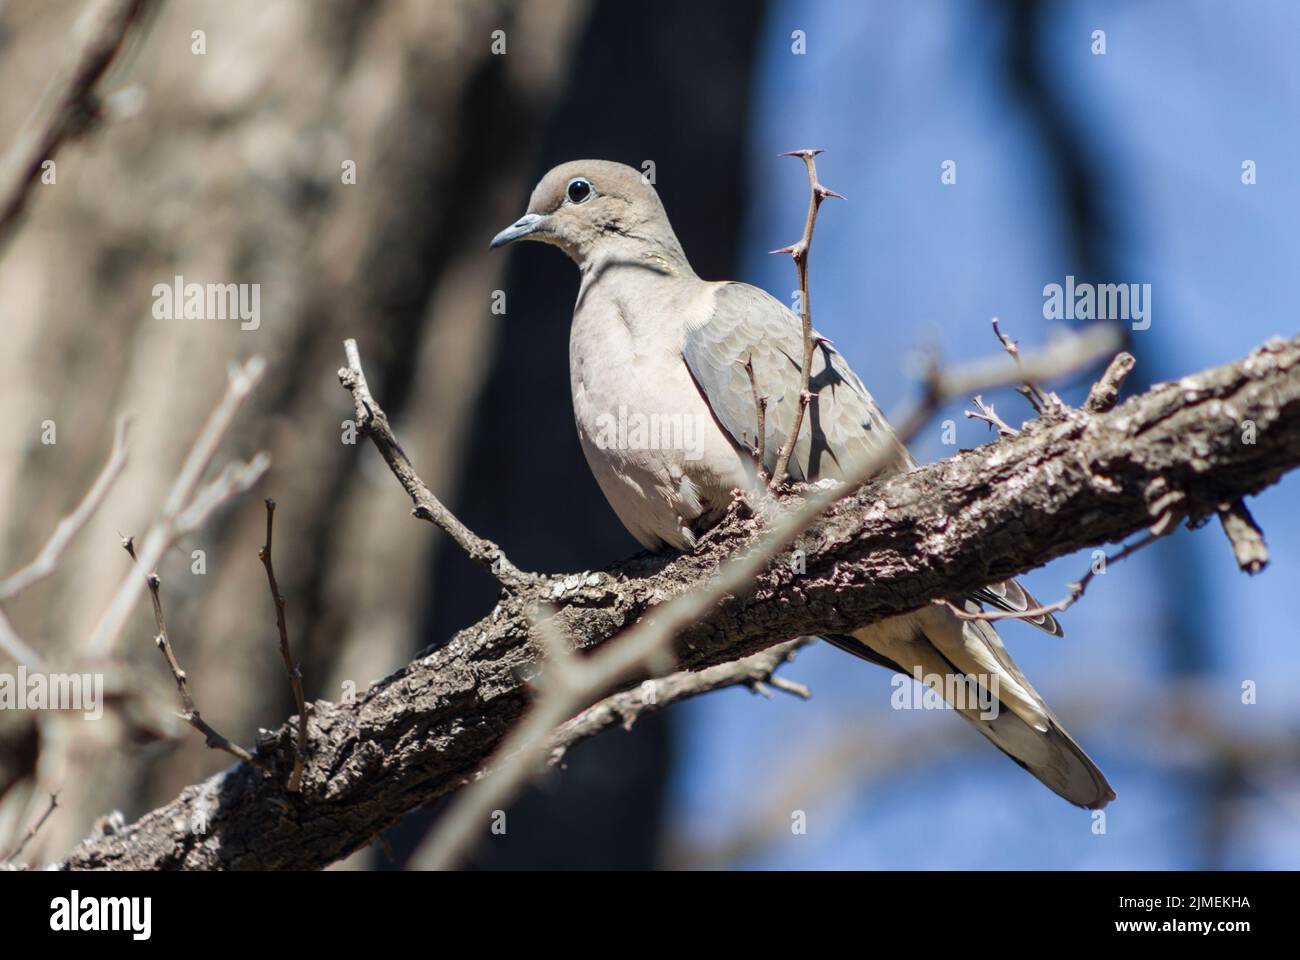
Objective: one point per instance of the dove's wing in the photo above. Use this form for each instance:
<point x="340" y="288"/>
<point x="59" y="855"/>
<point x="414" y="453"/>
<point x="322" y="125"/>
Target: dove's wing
<point x="842" y="427"/>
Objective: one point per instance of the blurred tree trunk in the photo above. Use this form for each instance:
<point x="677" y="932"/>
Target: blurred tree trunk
<point x="226" y="166"/>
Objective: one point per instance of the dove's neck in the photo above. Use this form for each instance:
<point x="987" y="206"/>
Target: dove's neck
<point x="646" y="246"/>
<point x="635" y="280"/>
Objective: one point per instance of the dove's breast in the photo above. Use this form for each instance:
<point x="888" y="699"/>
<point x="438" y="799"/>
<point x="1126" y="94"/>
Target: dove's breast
<point x="656" y="451"/>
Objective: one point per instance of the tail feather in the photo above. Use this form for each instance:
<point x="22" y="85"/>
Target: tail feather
<point x="937" y="643"/>
<point x="1053" y="757"/>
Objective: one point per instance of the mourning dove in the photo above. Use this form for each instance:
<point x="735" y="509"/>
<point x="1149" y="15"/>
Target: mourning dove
<point x="667" y="420"/>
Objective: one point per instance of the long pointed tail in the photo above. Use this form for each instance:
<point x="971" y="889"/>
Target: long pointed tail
<point x="938" y="644"/>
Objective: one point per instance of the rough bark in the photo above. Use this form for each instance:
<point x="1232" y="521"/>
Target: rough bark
<point x="1067" y="482"/>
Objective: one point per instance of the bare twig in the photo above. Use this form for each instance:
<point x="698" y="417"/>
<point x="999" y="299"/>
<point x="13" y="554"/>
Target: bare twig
<point x="1246" y="537"/>
<point x="35" y="829"/>
<point x="184" y="510"/>
<point x="191" y="715"/>
<point x="625" y="708"/>
<point x="1076" y="589"/>
<point x="990" y="416"/>
<point x="1040" y="401"/>
<point x="799" y="251"/>
<point x="621" y="658"/>
<point x="47" y="560"/>
<point x="760" y="407"/>
<point x="374" y="422"/>
<point x="1105" y="392"/>
<point x="74" y="106"/>
<point x="294" y="670"/>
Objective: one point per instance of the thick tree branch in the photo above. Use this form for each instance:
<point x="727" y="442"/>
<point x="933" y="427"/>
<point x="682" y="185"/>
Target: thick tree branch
<point x="574" y="683"/>
<point x="1069" y="481"/>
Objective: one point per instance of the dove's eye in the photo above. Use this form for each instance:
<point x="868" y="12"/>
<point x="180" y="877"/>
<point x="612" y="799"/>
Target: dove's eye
<point x="579" y="190"/>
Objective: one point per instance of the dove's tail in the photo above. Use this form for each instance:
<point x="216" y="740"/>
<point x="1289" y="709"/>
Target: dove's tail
<point x="965" y="661"/>
<point x="1051" y="755"/>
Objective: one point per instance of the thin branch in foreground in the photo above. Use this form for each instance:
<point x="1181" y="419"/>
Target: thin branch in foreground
<point x="799" y="251"/>
<point x="191" y="715"/>
<point x="566" y="681"/>
<point x="185" y="510"/>
<point x="75" y="104"/>
<point x="47" y="560"/>
<point x="622" y="657"/>
<point x="1246" y="537"/>
<point x="33" y="831"/>
<point x="1070" y="599"/>
<point x="516" y="761"/>
<point x="623" y="709"/>
<point x="374" y="422"/>
<point x="294" y="670"/>
<point x="762" y="669"/>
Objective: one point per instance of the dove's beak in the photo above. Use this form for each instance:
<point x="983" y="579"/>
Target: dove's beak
<point x="520" y="228"/>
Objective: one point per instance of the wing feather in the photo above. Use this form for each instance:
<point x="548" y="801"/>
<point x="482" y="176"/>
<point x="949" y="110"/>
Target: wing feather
<point x="843" y="425"/>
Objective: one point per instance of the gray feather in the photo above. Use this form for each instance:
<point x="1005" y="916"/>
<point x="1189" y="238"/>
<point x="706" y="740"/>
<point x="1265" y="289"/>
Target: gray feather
<point x="842" y="427"/>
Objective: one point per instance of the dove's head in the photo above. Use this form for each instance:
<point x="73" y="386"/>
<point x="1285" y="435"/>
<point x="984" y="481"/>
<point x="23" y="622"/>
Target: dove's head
<point x="595" y="208"/>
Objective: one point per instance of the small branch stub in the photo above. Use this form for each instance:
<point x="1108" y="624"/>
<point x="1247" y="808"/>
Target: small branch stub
<point x="984" y="411"/>
<point x="1246" y="537"/>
